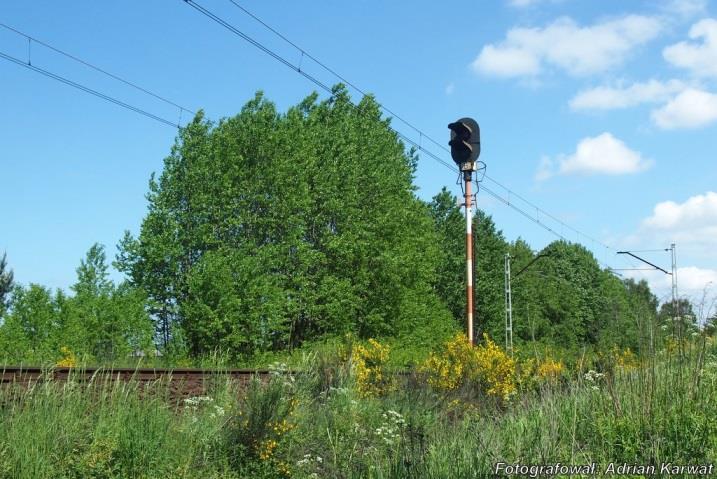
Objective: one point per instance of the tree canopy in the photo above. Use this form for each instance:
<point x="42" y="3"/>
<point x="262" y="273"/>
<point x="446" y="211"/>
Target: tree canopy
<point x="268" y="229"/>
<point x="100" y="322"/>
<point x="6" y="283"/>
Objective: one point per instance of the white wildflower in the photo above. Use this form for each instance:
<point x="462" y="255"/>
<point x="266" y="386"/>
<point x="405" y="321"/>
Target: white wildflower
<point x="593" y="376"/>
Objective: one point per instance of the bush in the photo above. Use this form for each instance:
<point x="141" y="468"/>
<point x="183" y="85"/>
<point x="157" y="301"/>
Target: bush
<point x="369" y="363"/>
<point x="485" y="368"/>
<point x="255" y="434"/>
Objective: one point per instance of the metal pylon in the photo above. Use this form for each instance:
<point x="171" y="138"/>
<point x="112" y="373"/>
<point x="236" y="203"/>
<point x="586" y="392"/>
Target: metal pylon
<point x="508" y="308"/>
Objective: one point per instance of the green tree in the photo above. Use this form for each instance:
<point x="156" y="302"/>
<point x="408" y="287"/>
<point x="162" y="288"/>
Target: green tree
<point x="560" y="298"/>
<point x="643" y="311"/>
<point x="6" y="284"/>
<point x="488" y="253"/>
<point x="489" y="277"/>
<point x="450" y="282"/>
<point x="677" y="318"/>
<point x="102" y="320"/>
<point x="27" y="333"/>
<point x="528" y="324"/>
<point x="268" y="229"/>
<point x="711" y="325"/>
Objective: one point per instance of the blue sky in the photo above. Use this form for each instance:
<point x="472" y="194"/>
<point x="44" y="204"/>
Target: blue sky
<point x="603" y="114"/>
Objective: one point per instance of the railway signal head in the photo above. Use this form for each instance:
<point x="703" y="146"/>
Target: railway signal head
<point x="465" y="143"/>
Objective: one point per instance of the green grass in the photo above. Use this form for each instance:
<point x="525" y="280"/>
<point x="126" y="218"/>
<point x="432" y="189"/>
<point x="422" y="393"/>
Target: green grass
<point x="662" y="412"/>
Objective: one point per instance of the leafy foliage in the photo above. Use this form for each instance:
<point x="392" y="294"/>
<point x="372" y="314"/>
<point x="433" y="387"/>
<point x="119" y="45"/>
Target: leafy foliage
<point x="562" y="299"/>
<point x="266" y="230"/>
<point x="484" y="369"/>
<point x="102" y="322"/>
<point x="369" y="368"/>
<point x="6" y="283"/>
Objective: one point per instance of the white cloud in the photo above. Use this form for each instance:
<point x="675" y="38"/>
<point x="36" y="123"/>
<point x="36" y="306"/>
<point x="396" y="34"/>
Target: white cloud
<point x="611" y="98"/>
<point x="507" y="61"/>
<point x="692" y="108"/>
<point x="697" y="212"/>
<point x="563" y="44"/>
<point x="691" y="225"/>
<point x="603" y="154"/>
<point x="691" y="280"/>
<point x="699" y="57"/>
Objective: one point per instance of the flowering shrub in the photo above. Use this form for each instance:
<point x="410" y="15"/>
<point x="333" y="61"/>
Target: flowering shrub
<point x="496" y="369"/>
<point x="369" y="363"/>
<point x="550" y="370"/>
<point x="625" y="359"/>
<point x="68" y="358"/>
<point x="199" y="404"/>
<point x="532" y="373"/>
<point x="310" y="463"/>
<point x="448" y="370"/>
<point x="460" y="363"/>
<point x="257" y="432"/>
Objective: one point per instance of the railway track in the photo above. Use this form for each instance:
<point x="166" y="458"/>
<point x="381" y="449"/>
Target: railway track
<point x="181" y="382"/>
<point x="175" y="383"/>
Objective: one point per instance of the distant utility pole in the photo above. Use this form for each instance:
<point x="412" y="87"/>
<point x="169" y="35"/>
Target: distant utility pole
<point x="508" y="308"/>
<point x="673" y="253"/>
<point x="509" y="298"/>
<point x="676" y="313"/>
<point x="465" y="149"/>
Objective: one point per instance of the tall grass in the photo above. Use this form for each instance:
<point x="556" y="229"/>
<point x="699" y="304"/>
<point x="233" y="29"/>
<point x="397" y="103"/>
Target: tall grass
<point x="317" y="425"/>
<point x="106" y="428"/>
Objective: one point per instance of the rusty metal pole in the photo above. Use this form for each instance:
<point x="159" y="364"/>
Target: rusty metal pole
<point x="469" y="255"/>
<point x="465" y="149"/>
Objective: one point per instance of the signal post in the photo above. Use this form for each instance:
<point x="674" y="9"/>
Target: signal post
<point x="465" y="149"/>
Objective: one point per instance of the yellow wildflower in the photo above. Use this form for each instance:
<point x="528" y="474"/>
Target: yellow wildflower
<point x="266" y="449"/>
<point x="625" y="359"/>
<point x="550" y="370"/>
<point x="459" y="362"/>
<point x="68" y="358"/>
<point x="369" y="364"/>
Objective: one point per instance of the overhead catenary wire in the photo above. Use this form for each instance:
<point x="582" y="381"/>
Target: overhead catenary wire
<point x="306" y="75"/>
<point x="323" y="65"/>
<point x="661" y="250"/>
<point x="537" y="221"/>
<point x="86" y="89"/>
<point x="32" y="39"/>
<point x="257" y="44"/>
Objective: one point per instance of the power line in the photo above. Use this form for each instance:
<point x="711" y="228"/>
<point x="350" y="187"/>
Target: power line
<point x="323" y="65"/>
<point x="257" y="44"/>
<point x="85" y="89"/>
<point x="522" y="212"/>
<point x="537" y="221"/>
<point x="96" y="68"/>
<point x="662" y="250"/>
<point x="306" y="75"/>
